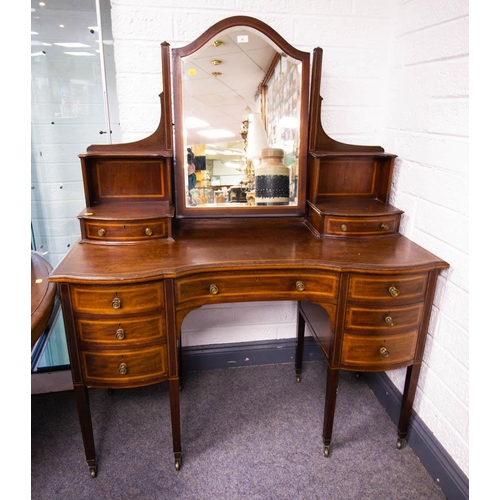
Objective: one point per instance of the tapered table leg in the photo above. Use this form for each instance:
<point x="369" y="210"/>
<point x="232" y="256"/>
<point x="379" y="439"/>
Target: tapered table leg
<point x="332" y="383"/>
<point x="179" y="362"/>
<point x="410" y="389"/>
<point x="83" y="406"/>
<point x="175" y="415"/>
<point x="299" y="348"/>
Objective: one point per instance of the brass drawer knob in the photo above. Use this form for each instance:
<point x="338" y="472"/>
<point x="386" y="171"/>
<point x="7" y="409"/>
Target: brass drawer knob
<point x="116" y="303"/>
<point x="214" y="289"/>
<point x="393" y="291"/>
<point x="384" y="226"/>
<point x="343" y="227"/>
<point x="299" y="286"/>
<point x="148" y="231"/>
<point x="384" y="352"/>
<point x="123" y="369"/>
<point x="120" y="334"/>
<point x="389" y="321"/>
<point x="101" y="232"/>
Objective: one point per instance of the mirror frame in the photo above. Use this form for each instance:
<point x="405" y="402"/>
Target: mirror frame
<point x="182" y="210"/>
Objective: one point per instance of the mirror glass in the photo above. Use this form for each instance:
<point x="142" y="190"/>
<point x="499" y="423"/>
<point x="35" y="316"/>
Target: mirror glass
<point x="241" y="94"/>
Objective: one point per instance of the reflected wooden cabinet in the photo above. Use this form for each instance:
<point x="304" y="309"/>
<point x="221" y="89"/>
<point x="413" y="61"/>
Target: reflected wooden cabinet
<point x="145" y="259"/>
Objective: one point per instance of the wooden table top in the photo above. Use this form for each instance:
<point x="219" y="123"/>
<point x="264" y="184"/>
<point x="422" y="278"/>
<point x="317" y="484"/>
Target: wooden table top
<point x="213" y="245"/>
<point x="43" y="294"/>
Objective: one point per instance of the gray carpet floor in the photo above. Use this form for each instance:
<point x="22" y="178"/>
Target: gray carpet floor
<point x="247" y="433"/>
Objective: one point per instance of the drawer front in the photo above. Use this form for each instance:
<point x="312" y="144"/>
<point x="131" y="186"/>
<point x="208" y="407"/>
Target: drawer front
<point x="121" y="331"/>
<point x="378" y="352"/>
<point x="374" y="320"/>
<point x="257" y="286"/>
<point x="117" y="300"/>
<point x="126" y="230"/>
<point x="396" y="288"/>
<point x="362" y="226"/>
<point x="124" y="367"/>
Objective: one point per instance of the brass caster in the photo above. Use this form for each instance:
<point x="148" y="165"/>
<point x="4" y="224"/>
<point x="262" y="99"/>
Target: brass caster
<point x="399" y="443"/>
<point x="326" y="451"/>
<point x="177" y="464"/>
<point x="93" y="472"/>
<point x="298" y="378"/>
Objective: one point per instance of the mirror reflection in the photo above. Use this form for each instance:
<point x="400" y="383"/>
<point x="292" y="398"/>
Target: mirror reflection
<point x="241" y="96"/>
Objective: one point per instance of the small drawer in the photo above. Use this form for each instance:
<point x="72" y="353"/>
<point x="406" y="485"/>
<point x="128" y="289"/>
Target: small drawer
<point x="125" y="231"/>
<point x="124" y="367"/>
<point x="378" y="352"/>
<point x="362" y="226"/>
<point x="372" y="320"/>
<point x="247" y="286"/>
<point x="397" y="288"/>
<point x="117" y="300"/>
<point x="121" y="331"/>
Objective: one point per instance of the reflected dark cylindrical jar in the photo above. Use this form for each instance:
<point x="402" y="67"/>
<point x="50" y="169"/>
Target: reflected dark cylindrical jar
<point x="272" y="179"/>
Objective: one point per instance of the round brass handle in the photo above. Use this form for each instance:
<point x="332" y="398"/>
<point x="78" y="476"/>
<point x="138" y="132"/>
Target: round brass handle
<point x="389" y="321"/>
<point x="148" y="231"/>
<point x="299" y="286"/>
<point x="393" y="291"/>
<point x="214" y="289"/>
<point x="101" y="232"/>
<point x="384" y="227"/>
<point x="123" y="369"/>
<point x="384" y="352"/>
<point x="120" y="334"/>
<point x="343" y="227"/>
<point x="116" y="303"/>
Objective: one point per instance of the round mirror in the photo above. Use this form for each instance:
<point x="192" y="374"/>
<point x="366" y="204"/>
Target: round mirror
<point x="240" y="89"/>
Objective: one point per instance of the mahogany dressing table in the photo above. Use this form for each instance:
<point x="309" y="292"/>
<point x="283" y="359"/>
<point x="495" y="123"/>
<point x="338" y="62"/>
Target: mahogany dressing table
<point x="147" y="258"/>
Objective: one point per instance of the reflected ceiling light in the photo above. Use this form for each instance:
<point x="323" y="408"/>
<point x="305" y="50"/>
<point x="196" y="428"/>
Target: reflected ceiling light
<point x="34" y="32"/>
<point x="37" y="42"/>
<point x="82" y="54"/>
<point x="192" y="122"/>
<point x="41" y="53"/>
<point x="72" y="45"/>
<point x="61" y="26"/>
<point x="215" y="133"/>
<point x="41" y="4"/>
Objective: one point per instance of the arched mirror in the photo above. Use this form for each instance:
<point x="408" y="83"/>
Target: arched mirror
<point x="240" y="115"/>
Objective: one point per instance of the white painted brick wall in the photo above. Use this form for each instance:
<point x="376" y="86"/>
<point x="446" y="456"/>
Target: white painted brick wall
<point x="426" y="124"/>
<point x="395" y="73"/>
